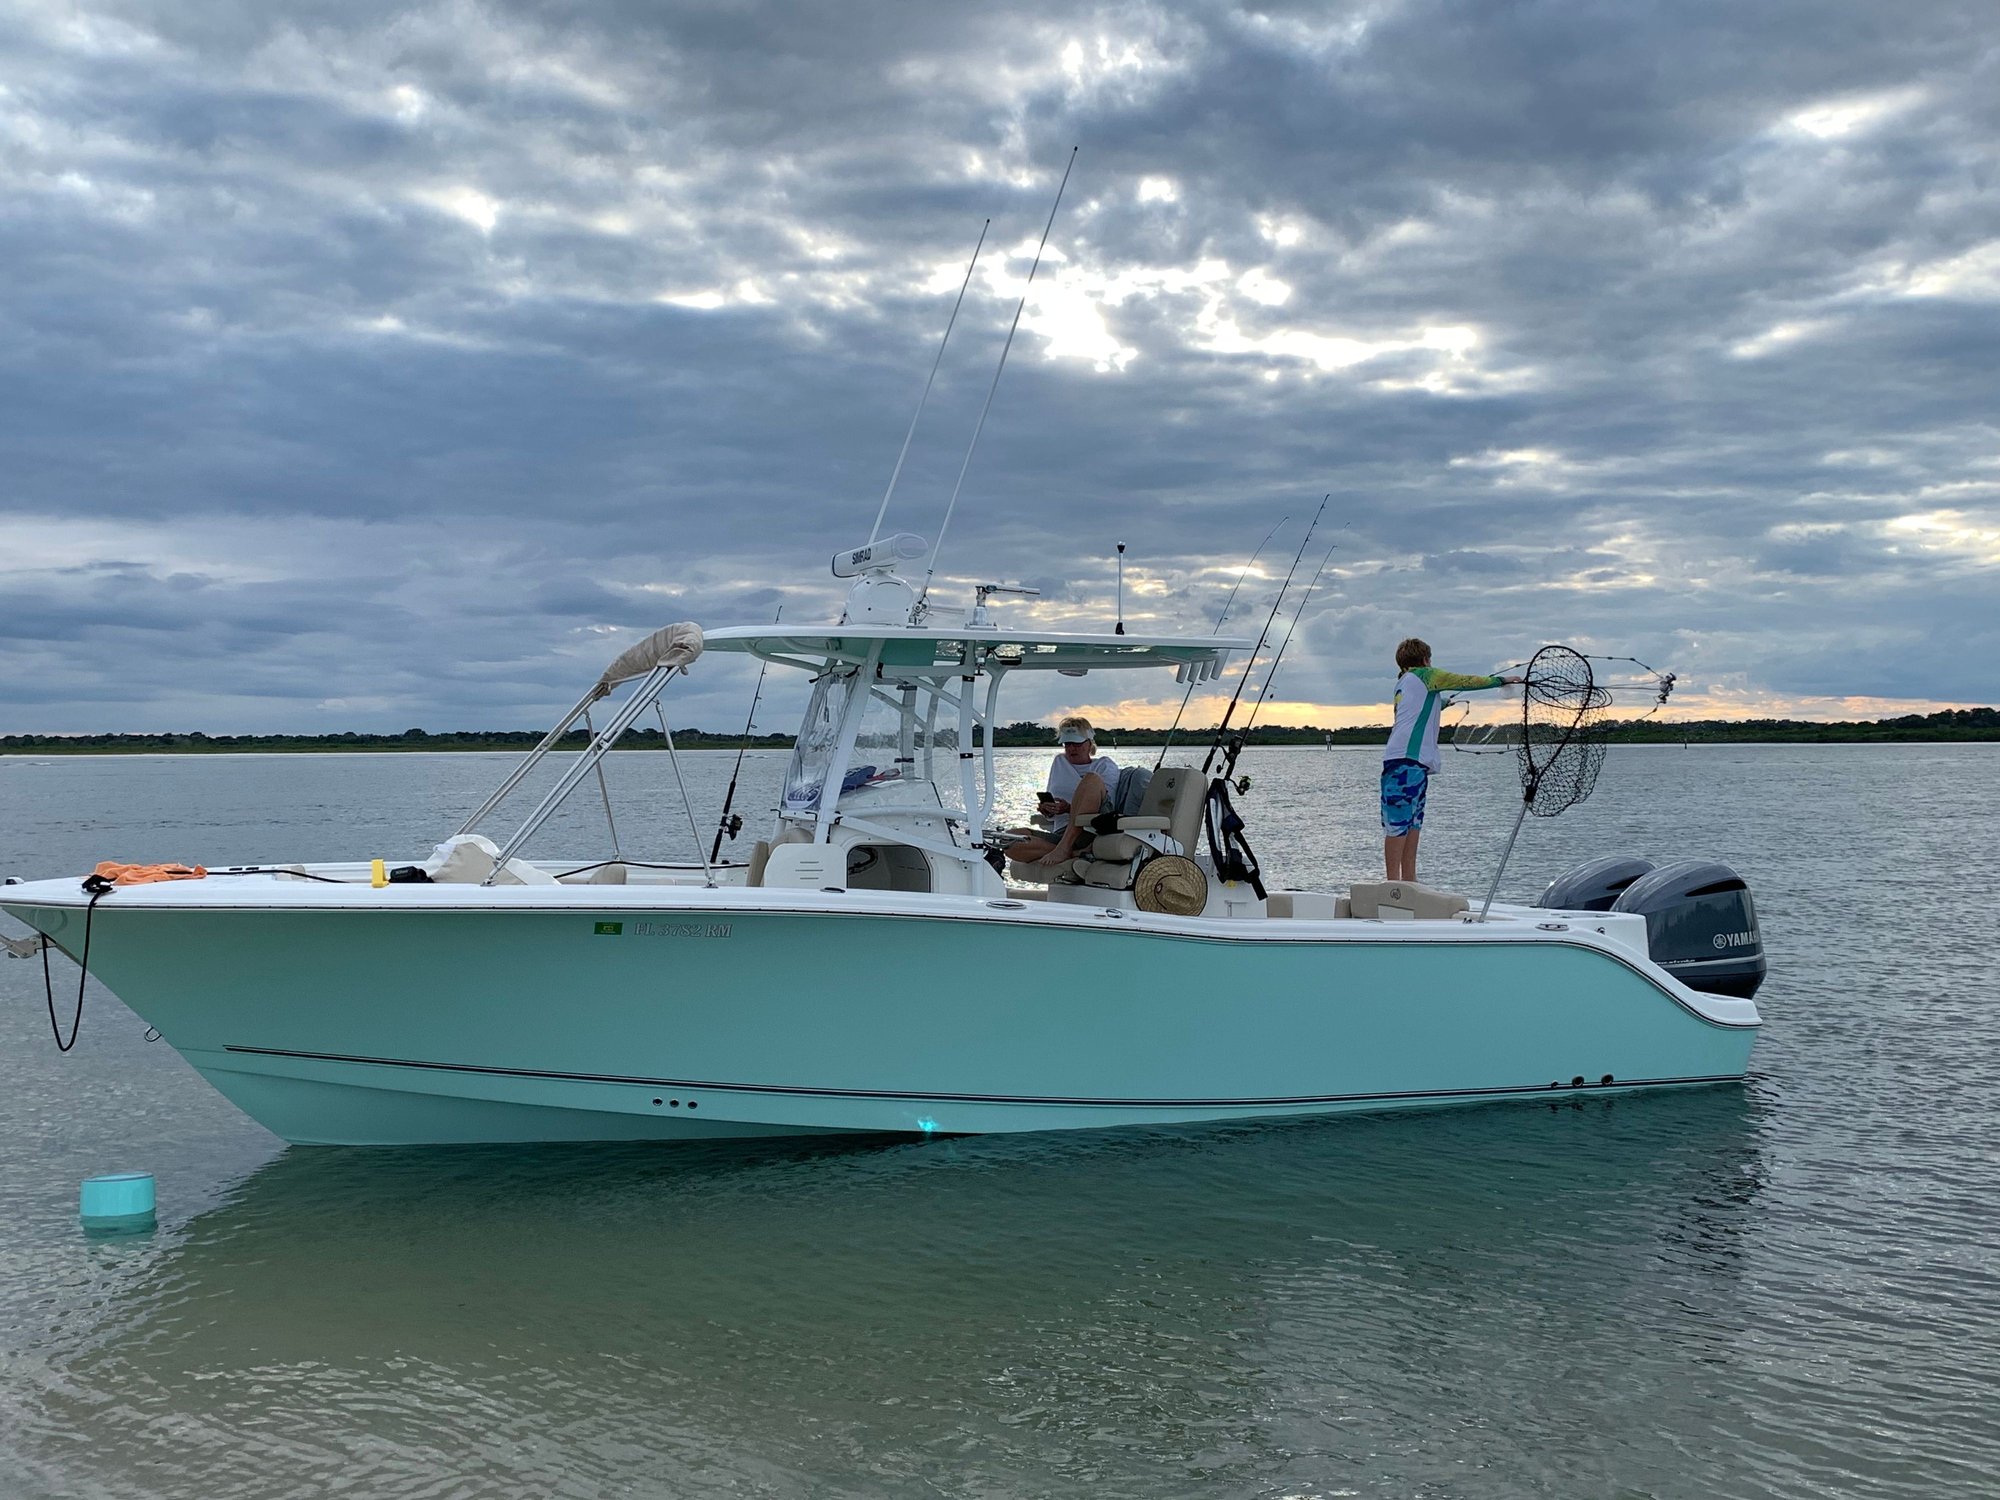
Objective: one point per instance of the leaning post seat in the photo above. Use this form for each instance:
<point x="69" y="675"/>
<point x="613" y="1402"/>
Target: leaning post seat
<point x="1168" y="821"/>
<point x="1133" y="787"/>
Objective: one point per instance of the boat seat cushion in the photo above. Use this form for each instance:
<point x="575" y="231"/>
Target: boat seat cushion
<point x="1118" y="848"/>
<point x="1405" y="901"/>
<point x="1177" y="794"/>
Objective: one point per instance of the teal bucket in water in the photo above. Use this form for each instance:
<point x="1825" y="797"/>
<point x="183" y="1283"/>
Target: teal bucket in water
<point x="118" y="1201"/>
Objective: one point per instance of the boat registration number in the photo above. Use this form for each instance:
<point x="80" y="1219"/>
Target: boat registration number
<point x="665" y="929"/>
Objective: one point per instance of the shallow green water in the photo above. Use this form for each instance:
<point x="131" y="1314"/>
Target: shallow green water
<point x="1788" y="1288"/>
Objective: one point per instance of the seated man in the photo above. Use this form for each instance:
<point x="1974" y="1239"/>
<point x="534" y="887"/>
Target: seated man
<point x="1080" y="782"/>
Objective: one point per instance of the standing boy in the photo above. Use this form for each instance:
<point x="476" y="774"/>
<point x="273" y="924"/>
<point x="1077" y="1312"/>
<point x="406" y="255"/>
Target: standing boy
<point x="1412" y="752"/>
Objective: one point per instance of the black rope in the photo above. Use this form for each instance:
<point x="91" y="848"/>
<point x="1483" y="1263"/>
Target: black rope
<point x="99" y="888"/>
<point x="283" y="870"/>
<point x="640" y="864"/>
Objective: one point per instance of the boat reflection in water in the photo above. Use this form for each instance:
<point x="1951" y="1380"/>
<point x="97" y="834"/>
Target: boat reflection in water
<point x="1266" y="1303"/>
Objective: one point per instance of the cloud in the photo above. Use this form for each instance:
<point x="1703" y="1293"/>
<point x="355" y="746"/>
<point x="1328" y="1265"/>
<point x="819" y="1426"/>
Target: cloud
<point x="399" y="363"/>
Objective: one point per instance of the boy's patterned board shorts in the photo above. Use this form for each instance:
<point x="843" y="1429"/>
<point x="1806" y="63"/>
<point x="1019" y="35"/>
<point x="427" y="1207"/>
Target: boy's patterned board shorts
<point x="1404" y="783"/>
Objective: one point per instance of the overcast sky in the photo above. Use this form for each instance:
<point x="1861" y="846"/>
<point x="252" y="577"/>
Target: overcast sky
<point x="366" y="367"/>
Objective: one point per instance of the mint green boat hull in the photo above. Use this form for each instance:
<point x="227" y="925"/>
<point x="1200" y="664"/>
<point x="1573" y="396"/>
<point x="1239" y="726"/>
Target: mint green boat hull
<point x="434" y="1026"/>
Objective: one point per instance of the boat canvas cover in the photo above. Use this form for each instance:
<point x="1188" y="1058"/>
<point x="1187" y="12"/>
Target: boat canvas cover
<point x="669" y="646"/>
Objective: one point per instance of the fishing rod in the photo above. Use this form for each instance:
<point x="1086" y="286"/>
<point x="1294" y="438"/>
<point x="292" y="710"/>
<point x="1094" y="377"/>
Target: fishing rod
<point x="896" y="473"/>
<point x="1227" y="605"/>
<point x="1285" y="645"/>
<point x="938" y="546"/>
<point x="1236" y="742"/>
<point x="1229" y="713"/>
<point x="726" y="824"/>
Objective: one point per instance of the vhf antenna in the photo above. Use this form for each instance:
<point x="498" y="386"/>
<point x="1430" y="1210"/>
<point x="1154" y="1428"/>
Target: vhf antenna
<point x="896" y="472"/>
<point x="1121" y="590"/>
<point x="938" y="546"/>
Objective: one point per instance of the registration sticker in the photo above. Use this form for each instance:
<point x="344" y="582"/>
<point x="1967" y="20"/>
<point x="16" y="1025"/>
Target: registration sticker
<point x="609" y="929"/>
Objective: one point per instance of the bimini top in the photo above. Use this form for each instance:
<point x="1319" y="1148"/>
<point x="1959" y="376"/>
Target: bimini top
<point x="927" y="648"/>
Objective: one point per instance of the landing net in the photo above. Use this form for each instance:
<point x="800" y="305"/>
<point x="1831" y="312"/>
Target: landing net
<point x="1562" y="731"/>
<point x="1560" y="743"/>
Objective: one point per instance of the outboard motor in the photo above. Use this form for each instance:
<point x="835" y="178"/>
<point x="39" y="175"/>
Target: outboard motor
<point x="1595" y="885"/>
<point x="1701" y="926"/>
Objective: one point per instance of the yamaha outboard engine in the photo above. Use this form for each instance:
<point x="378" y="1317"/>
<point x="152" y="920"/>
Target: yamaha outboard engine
<point x="1701" y="926"/>
<point x="1594" y="886"/>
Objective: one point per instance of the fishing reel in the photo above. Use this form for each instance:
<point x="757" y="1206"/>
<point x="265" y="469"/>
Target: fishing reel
<point x="732" y="825"/>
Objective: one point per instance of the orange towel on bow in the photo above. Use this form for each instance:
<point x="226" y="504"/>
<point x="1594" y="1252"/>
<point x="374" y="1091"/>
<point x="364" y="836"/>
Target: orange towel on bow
<point x="119" y="874"/>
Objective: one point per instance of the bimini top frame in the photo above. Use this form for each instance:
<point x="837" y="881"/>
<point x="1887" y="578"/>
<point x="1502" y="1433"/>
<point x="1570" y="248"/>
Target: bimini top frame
<point x="652" y="663"/>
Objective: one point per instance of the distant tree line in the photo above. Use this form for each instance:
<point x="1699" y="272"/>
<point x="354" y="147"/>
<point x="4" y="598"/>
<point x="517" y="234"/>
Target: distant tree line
<point x="1947" y="724"/>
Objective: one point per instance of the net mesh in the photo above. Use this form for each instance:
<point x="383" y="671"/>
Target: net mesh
<point x="1561" y="743"/>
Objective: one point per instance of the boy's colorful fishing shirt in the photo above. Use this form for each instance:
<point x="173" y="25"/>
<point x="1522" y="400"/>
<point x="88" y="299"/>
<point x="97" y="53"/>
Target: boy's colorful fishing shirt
<point x="1415" y="736"/>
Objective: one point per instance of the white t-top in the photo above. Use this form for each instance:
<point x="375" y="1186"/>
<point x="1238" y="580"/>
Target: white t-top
<point x="1063" y="778"/>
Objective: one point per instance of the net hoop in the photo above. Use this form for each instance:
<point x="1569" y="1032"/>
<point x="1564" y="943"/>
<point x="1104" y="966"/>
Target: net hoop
<point x="1562" y="731"/>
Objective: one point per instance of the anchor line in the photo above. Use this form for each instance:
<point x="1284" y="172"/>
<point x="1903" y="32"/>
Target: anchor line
<point x="99" y="888"/>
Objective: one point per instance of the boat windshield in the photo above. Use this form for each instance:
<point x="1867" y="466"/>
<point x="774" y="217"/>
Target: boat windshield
<point x="819" y="734"/>
<point x="893" y="741"/>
